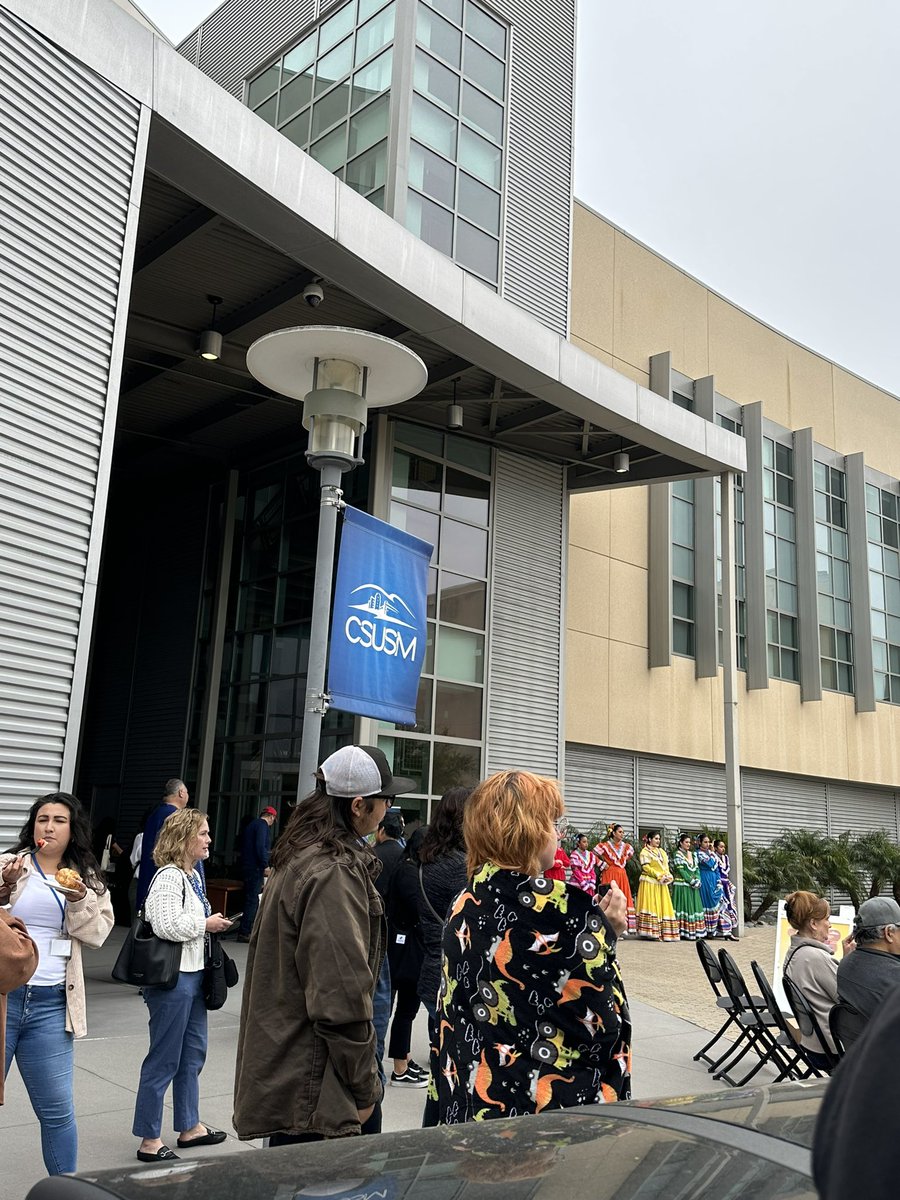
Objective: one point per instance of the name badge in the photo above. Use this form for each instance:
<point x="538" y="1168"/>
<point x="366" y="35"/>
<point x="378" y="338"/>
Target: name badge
<point x="400" y="939"/>
<point x="61" y="947"/>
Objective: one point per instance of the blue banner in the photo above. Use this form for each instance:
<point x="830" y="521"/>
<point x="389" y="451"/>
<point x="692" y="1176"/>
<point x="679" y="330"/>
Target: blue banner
<point x="378" y="624"/>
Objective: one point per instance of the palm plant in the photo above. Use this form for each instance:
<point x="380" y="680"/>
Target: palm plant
<point x="877" y="859"/>
<point x="829" y="860"/>
<point x="770" y="872"/>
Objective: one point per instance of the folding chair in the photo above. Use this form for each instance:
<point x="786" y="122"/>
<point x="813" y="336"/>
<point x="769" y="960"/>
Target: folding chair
<point x="710" y="965"/>
<point x="846" y="1024"/>
<point x="794" y="1053"/>
<point x="806" y="1019"/>
<point x="758" y="1024"/>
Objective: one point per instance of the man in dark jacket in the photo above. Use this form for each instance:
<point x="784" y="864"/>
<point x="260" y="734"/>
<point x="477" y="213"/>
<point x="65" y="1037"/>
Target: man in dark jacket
<point x="306" y="1067"/>
<point x="254" y="866"/>
<point x="175" y="797"/>
<point x="388" y="849"/>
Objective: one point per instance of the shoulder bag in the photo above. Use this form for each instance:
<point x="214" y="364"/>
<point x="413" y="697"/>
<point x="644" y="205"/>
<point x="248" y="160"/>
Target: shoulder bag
<point x="431" y="907"/>
<point x="219" y="973"/>
<point x="145" y="959"/>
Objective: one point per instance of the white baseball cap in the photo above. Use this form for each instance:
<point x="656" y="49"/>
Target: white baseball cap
<point x="362" y="771"/>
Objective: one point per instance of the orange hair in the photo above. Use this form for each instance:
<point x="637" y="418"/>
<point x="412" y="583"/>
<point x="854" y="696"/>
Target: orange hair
<point x="509" y="818"/>
<point x="802" y="907"/>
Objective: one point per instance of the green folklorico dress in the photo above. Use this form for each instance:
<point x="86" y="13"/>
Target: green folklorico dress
<point x="686" y="896"/>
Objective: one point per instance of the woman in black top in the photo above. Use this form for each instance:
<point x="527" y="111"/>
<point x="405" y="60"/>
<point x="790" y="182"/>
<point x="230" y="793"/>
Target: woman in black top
<point x="405" y="954"/>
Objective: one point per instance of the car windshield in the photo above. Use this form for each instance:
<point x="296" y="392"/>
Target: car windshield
<point x="784" y="1110"/>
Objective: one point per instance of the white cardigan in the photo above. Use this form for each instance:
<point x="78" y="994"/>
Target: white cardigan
<point x="175" y="912"/>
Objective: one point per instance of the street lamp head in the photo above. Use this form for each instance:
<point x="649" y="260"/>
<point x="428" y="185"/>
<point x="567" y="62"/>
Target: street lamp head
<point x="339" y="374"/>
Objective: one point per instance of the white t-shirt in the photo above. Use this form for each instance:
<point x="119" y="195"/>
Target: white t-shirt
<point x="36" y="907"/>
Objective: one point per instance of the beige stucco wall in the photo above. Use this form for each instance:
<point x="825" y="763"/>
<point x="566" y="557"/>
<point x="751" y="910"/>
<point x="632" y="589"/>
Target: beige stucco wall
<point x="627" y="304"/>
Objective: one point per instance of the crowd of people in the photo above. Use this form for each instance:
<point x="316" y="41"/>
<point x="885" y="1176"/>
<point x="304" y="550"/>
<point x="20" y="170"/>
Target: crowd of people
<point x="484" y="918"/>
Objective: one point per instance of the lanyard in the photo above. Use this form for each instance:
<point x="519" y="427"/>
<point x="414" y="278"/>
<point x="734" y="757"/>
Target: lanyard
<point x="61" y="904"/>
<point x="201" y="895"/>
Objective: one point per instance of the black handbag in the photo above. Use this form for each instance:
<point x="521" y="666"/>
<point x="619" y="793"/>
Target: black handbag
<point x="219" y="973"/>
<point x="147" y="960"/>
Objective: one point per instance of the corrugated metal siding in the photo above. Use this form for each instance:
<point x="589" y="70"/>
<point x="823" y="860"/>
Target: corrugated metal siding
<point x="773" y="803"/>
<point x="243" y="34"/>
<point x="539" y="157"/>
<point x="190" y="47"/>
<point x="67" y="145"/>
<point x="599" y="786"/>
<point x="525" y="646"/>
<point x="861" y="810"/>
<point x="679" y="794"/>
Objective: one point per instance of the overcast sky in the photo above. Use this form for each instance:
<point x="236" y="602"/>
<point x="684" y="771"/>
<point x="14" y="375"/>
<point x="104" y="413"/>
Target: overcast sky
<point x="751" y="142"/>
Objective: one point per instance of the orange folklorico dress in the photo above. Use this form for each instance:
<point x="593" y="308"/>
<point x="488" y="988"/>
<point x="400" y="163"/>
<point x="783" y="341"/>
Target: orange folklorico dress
<point x="614" y="856"/>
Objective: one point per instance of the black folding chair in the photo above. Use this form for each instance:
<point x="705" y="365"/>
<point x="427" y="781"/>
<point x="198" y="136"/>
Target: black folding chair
<point x="846" y="1024"/>
<point x="807" y="1021"/>
<point x="710" y="965"/>
<point x="757" y="1023"/>
<point x="800" y="1065"/>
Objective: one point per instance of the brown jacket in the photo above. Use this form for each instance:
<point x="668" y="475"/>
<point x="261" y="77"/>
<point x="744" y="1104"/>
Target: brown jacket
<point x="306" y="1046"/>
<point x="88" y="922"/>
<point x="18" y="962"/>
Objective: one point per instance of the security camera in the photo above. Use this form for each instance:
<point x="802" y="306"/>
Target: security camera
<point x="313" y="294"/>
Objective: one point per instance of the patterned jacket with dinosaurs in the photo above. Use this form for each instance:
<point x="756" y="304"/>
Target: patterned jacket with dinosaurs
<point x="532" y="1013"/>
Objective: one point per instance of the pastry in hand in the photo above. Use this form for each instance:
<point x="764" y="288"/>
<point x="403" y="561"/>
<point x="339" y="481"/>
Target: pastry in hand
<point x="68" y="878"/>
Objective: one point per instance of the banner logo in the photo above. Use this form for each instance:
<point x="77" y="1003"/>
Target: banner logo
<point x="386" y="607"/>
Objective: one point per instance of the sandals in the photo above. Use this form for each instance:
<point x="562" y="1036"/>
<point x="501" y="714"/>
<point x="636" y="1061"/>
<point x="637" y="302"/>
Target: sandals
<point x="163" y="1154"/>
<point x="212" y="1137"/>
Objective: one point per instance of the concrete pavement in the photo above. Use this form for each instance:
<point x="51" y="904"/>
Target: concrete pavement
<point x="107" y="1062"/>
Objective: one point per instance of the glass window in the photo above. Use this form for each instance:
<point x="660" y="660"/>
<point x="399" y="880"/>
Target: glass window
<point x="479" y="157"/>
<point x="477" y="251"/>
<point x="416" y="479"/>
<point x="369" y="125"/>
<point x="421" y="524"/>
<point x="263" y="85"/>
<point x="455" y="766"/>
<point x="484" y="69"/>
<point x="460" y="655"/>
<point x="457" y="711"/>
<point x="295" y="95"/>
<point x="431" y="223"/>
<point x="334" y="66"/>
<point x="419" y="436"/>
<point x="482" y="112"/>
<point x="375" y="34"/>
<point x="479" y="203"/>
<point x="372" y="80"/>
<point x="432" y="125"/>
<point x="436" y="81"/>
<point x="431" y="174"/>
<point x="438" y="35"/>
<point x="463" y="548"/>
<point x="486" y="29"/>
<point x="331" y="150"/>
<point x="268" y="110"/>
<point x="334" y="28"/>
<point x="409" y="758"/>
<point x="369" y="170"/>
<point x="300" y="58"/>
<point x="463" y="600"/>
<point x="467" y="453"/>
<point x="330" y="109"/>
<point x="450" y="8"/>
<point x="367" y="7"/>
<point x="467" y="497"/>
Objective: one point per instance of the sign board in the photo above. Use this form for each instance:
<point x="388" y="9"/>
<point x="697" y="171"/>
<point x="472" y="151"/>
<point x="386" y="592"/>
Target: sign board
<point x="378" y="624"/>
<point x="841" y="925"/>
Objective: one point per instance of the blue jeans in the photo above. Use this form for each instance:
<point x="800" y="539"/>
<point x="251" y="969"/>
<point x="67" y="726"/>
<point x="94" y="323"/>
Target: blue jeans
<point x="36" y="1037"/>
<point x="253" y="881"/>
<point x="176" y="1055"/>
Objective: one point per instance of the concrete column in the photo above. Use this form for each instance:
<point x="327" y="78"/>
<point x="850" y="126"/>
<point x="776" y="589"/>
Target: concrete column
<point x="861" y="612"/>
<point x="754" y="550"/>
<point x="733" y="800"/>
<point x="659" y="599"/>
<point x="807" y="590"/>
<point x="706" y="632"/>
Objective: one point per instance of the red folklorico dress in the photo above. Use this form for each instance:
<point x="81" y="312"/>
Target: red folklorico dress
<point x="614" y="855"/>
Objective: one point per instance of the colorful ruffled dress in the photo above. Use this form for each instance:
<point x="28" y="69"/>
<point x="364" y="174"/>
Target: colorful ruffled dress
<point x="712" y="896"/>
<point x="613" y="856"/>
<point x="686" y="896"/>
<point x="724" y="864"/>
<point x="584" y="870"/>
<point x="655" y="915"/>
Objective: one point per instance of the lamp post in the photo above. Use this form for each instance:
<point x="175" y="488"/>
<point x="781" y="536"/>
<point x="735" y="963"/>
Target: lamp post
<point x="339" y="374"/>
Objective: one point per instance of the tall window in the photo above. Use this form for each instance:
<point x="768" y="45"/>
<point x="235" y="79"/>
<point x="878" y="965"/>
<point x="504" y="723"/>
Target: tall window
<point x="441" y="491"/>
<point x="883" y="525"/>
<point x="833" y="579"/>
<point x="783" y="636"/>
<point x="740" y="573"/>
<point x="457" y="125"/>
<point x="330" y="93"/>
<point x="683" y="567"/>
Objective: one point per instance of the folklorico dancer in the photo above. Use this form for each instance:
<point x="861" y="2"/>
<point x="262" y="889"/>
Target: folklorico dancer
<point x="712" y="894"/>
<point x="612" y="854"/>
<point x="655" y="915"/>
<point x="724" y="863"/>
<point x="584" y="866"/>
<point x="686" y="891"/>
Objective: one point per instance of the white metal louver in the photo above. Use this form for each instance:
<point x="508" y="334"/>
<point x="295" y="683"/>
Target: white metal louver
<point x="67" y="155"/>
<point x="774" y="803"/>
<point x="524" y="668"/>
<point x="680" y="795"/>
<point x="861" y="810"/>
<point x="599" y="787"/>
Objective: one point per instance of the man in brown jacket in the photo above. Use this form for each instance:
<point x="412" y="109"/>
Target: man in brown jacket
<point x="306" y="1067"/>
<point x="18" y="962"/>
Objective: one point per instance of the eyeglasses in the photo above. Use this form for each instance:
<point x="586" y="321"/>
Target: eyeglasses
<point x="388" y="800"/>
<point x="561" y="824"/>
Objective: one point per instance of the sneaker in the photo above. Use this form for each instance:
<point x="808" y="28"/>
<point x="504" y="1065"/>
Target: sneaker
<point x="408" y="1080"/>
<point x="414" y="1069"/>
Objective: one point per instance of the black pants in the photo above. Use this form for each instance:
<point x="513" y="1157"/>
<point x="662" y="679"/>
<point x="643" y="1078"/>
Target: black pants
<point x="407" y="1005"/>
